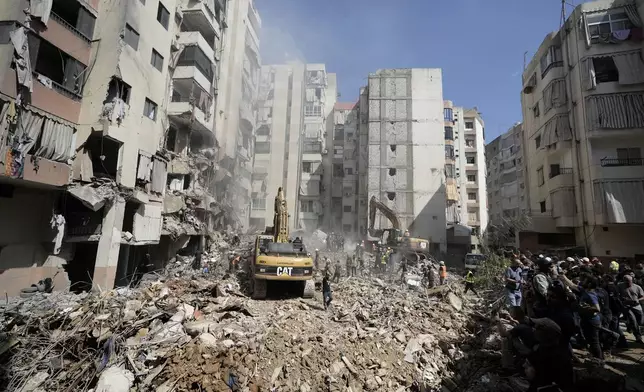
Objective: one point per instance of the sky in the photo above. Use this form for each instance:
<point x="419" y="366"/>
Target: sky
<point x="479" y="44"/>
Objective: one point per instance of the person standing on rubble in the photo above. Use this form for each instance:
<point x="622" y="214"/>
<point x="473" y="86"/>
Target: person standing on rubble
<point x="443" y="272"/>
<point x="349" y="264"/>
<point x="403" y="270"/>
<point x="469" y="282"/>
<point x="513" y="280"/>
<point x="337" y="274"/>
<point x="383" y="260"/>
<point x="326" y="291"/>
<point x="317" y="256"/>
<point x="196" y="263"/>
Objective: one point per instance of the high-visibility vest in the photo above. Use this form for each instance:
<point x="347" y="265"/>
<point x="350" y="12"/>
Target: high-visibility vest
<point x="443" y="271"/>
<point x="470" y="277"/>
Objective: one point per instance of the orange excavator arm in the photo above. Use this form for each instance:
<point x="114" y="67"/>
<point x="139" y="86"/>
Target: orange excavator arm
<point x="375" y="205"/>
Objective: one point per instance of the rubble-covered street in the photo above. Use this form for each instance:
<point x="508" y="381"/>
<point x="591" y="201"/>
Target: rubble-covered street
<point x="185" y="330"/>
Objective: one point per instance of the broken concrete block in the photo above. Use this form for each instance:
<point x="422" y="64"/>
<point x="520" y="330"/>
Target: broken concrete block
<point x="207" y="340"/>
<point x="455" y="301"/>
<point x="115" y="379"/>
<point x="173" y="204"/>
<point x="198" y="327"/>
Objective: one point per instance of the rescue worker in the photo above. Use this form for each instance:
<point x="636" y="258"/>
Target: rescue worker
<point x="317" y="256"/>
<point x="383" y="260"/>
<point x="338" y="272"/>
<point x="403" y="269"/>
<point x="469" y="282"/>
<point x="234" y="262"/>
<point x="354" y="266"/>
<point x="443" y="272"/>
<point x="327" y="266"/>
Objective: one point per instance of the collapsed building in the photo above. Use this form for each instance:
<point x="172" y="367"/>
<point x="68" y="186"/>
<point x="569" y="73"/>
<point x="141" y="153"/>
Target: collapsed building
<point x="110" y="158"/>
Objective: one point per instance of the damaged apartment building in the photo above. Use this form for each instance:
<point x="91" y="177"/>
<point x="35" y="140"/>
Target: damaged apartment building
<point x="107" y="118"/>
<point x="295" y="101"/>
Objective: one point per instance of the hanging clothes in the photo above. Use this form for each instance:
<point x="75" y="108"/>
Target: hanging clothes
<point x="57" y="223"/>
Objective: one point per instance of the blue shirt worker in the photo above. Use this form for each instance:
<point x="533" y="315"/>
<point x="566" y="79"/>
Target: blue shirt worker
<point x="513" y="280"/>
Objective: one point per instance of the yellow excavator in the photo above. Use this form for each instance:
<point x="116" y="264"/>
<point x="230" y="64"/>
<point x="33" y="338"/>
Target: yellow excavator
<point x="278" y="258"/>
<point x="413" y="249"/>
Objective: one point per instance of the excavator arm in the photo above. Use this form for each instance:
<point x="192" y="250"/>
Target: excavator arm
<point x="280" y="219"/>
<point x="375" y="205"/>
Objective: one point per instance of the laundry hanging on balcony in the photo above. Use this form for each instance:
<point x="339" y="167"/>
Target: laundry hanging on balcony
<point x="40" y="9"/>
<point x="615" y="36"/>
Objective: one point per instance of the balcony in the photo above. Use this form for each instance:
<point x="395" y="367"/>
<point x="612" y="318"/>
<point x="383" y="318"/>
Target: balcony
<point x="68" y="38"/>
<point x="200" y="16"/>
<point x="191" y="106"/>
<point x="195" y="38"/>
<point x="559" y="178"/>
<point x="193" y="63"/>
<point x="615" y="162"/>
<point x="247" y="117"/>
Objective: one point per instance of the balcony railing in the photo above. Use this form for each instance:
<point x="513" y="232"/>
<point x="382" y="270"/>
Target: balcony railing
<point x="561" y="170"/>
<point x="613" y="162"/>
<point x="69" y="27"/>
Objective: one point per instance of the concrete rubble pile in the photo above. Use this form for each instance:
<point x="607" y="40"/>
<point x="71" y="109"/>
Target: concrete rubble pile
<point x="203" y="333"/>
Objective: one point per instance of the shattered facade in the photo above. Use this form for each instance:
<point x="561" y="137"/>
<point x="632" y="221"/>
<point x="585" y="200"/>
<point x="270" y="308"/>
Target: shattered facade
<point x="236" y="114"/>
<point x="344" y="172"/>
<point x="581" y="99"/>
<point x="402" y="116"/>
<point x="109" y="141"/>
<point x="294" y="103"/>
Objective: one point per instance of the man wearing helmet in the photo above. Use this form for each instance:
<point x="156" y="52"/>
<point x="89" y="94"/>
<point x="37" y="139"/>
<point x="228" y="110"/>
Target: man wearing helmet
<point x="541" y="282"/>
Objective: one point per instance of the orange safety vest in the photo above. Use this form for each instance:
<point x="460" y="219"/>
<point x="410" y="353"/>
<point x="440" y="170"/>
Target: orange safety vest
<point x="443" y="270"/>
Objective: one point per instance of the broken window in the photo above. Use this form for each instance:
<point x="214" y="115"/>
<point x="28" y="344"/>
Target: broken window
<point x="163" y="16"/>
<point x="128" y="216"/>
<point x="131" y="37"/>
<point x="73" y="15"/>
<point x="144" y="169"/>
<point x="104" y="153"/>
<point x="392" y="171"/>
<point x="150" y="110"/>
<point x="66" y="73"/>
<point x="118" y="89"/>
<point x="391" y="195"/>
<point x="171" y="139"/>
<point x="605" y="69"/>
<point x="157" y="60"/>
<point x="392" y="147"/>
<point x="193" y="56"/>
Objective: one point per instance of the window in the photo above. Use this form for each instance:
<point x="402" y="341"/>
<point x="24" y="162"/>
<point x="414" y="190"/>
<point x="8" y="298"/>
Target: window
<point x="131" y="37"/>
<point x="471" y="177"/>
<point x="470" y="143"/>
<point x="150" y="109"/>
<point x="192" y="56"/>
<point x="449" y="133"/>
<point x="535" y="110"/>
<point x="313" y="110"/>
<point x="258" y="204"/>
<point x="346" y="208"/>
<point x="337" y="170"/>
<point x="163" y="16"/>
<point x="542" y="206"/>
<point x="476" y="230"/>
<point x="550" y="59"/>
<point x="540" y="179"/>
<point x="348" y="171"/>
<point x="555" y="170"/>
<point x="306" y="167"/>
<point x="306" y="206"/>
<point x="469" y="124"/>
<point x="64" y="70"/>
<point x="471" y="196"/>
<point x="607" y="22"/>
<point x="157" y="60"/>
<point x="450" y="171"/>
<point x="629" y="156"/>
<point x="449" y="115"/>
<point x="449" y="151"/>
<point x="471" y="160"/>
<point x="262" y="147"/>
<point x="605" y="69"/>
<point x="537" y="141"/>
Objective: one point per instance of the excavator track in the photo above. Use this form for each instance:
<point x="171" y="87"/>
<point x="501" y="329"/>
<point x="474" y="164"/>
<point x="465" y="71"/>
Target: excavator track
<point x="260" y="288"/>
<point x="309" y="289"/>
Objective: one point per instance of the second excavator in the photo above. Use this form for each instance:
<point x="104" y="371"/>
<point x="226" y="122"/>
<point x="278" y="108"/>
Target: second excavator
<point x="279" y="258"/>
<point x="413" y="249"/>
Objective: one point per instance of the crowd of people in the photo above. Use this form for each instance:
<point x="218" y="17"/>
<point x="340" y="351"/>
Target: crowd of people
<point x="557" y="304"/>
